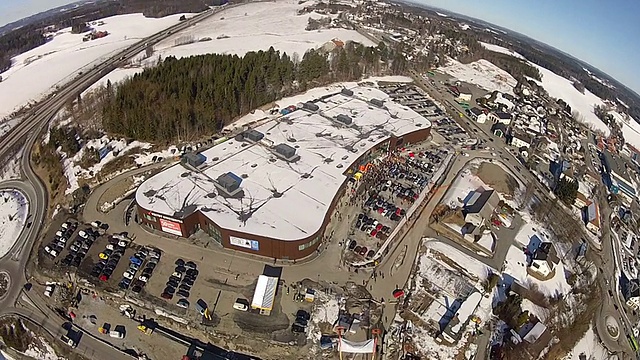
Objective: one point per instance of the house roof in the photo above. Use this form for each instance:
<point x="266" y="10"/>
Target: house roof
<point x="464" y="90"/>
<point x="502" y="115"/>
<point x="482" y="202"/>
<point x="523" y="137"/>
<point x="476" y="111"/>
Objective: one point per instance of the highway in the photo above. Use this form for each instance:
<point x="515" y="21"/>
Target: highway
<point x="25" y="135"/>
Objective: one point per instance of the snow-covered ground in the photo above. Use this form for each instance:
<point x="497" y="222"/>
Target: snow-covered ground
<point x="630" y="128"/>
<point x="515" y="265"/>
<point x="42" y="352"/>
<point x="502" y="50"/>
<point x="13" y="215"/>
<point x="589" y="346"/>
<point x="7" y="125"/>
<point x="10" y="169"/>
<point x="252" y="27"/>
<point x="482" y="73"/>
<point x="66" y="54"/>
<point x="561" y="88"/>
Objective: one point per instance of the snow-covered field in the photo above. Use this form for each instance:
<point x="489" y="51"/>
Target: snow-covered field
<point x="502" y="50"/>
<point x="66" y="54"/>
<point x="482" y="73"/>
<point x="10" y="169"/>
<point x="630" y="128"/>
<point x="7" y="125"/>
<point x="13" y="215"/>
<point x="255" y="26"/>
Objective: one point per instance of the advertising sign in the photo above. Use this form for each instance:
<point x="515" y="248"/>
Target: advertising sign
<point x="245" y="243"/>
<point x="170" y="227"/>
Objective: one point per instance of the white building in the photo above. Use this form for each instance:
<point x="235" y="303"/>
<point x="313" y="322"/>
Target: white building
<point x="478" y="115"/>
<point x="465" y="94"/>
<point x="520" y="140"/>
<point x="500" y="117"/>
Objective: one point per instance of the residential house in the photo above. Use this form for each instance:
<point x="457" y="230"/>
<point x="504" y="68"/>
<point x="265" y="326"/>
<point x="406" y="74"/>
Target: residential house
<point x="591" y="216"/>
<point x="521" y="140"/>
<point x="543" y="259"/>
<point x="479" y="206"/>
<point x="499" y="129"/>
<point x="500" y="117"/>
<point x="631" y="291"/>
<point x="464" y="94"/>
<point x="478" y="115"/>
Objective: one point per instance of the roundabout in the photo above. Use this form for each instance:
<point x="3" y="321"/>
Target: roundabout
<point x="613" y="329"/>
<point x="14" y="212"/>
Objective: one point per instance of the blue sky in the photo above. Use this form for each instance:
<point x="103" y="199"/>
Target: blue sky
<point x="601" y="32"/>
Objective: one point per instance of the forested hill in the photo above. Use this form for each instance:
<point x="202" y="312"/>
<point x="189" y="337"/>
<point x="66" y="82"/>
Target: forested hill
<point x="194" y="97"/>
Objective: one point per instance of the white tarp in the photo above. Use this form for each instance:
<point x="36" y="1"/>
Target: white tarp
<point x="265" y="292"/>
<point x="363" y="347"/>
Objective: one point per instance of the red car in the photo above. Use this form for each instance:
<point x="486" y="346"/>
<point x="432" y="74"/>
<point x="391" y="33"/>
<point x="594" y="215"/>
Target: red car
<point x="373" y="232"/>
<point x="379" y="227"/>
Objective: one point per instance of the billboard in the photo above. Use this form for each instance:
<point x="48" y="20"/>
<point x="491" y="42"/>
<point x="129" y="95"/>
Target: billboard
<point x="245" y="243"/>
<point x="170" y="227"/>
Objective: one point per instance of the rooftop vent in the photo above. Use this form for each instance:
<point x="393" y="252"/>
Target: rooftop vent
<point x="345" y="119"/>
<point x="253" y="135"/>
<point x="286" y="152"/>
<point x="310" y="106"/>
<point x="346" y="92"/>
<point x="376" y="102"/>
<point x="229" y="183"/>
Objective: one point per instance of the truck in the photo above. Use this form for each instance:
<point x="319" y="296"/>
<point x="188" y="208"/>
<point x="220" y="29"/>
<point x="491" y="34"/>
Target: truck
<point x="69" y="341"/>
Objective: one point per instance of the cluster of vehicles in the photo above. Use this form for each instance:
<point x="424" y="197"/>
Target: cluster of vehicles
<point x="55" y="247"/>
<point x="130" y="278"/>
<point x="78" y="250"/>
<point x="109" y="258"/>
<point x="386" y="209"/>
<point x="372" y="226"/>
<point x="180" y="282"/>
<point x="300" y="323"/>
<point x="361" y="250"/>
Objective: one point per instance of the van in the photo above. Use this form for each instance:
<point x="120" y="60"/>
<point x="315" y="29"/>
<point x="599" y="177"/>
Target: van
<point x="201" y="306"/>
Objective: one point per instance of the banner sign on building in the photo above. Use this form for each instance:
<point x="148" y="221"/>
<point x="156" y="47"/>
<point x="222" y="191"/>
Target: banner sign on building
<point x="245" y="243"/>
<point x="170" y="227"/>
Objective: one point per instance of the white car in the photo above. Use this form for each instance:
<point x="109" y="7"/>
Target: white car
<point x="95" y="224"/>
<point x="122" y="243"/>
<point x="109" y="247"/>
<point x="48" y="291"/>
<point x="83" y="234"/>
<point x="65" y="225"/>
<point x="128" y="275"/>
<point x="53" y="252"/>
<point x="241" y="305"/>
<point x="143" y="278"/>
<point x="59" y="234"/>
<point x="177" y="274"/>
<point x="47" y="249"/>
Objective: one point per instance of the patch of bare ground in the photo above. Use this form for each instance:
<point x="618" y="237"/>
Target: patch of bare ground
<point x="494" y="176"/>
<point x="47" y="165"/>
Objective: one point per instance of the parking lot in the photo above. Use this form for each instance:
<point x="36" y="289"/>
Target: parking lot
<point x="398" y="183"/>
<point x="414" y="98"/>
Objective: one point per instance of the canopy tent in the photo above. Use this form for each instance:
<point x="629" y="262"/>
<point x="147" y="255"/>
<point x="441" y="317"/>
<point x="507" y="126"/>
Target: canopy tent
<point x="363" y="347"/>
<point x="265" y="292"/>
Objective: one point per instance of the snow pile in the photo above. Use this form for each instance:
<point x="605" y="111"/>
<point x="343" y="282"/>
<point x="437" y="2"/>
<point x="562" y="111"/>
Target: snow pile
<point x="10" y="170"/>
<point x="7" y="125"/>
<point x="502" y="50"/>
<point x="589" y="346"/>
<point x="66" y="54"/>
<point x="482" y="73"/>
<point x="253" y="27"/>
<point x="13" y="215"/>
<point x="326" y="310"/>
<point x="43" y="352"/>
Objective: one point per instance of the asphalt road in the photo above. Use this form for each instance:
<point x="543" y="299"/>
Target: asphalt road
<point x="27" y="132"/>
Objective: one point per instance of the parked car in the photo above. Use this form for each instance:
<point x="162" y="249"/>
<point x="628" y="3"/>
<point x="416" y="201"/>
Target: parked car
<point x="241" y="304"/>
<point x="183" y="303"/>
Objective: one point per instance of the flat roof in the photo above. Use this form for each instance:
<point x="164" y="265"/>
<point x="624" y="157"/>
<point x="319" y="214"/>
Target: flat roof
<point x="283" y="200"/>
<point x="616" y="165"/>
<point x="265" y="292"/>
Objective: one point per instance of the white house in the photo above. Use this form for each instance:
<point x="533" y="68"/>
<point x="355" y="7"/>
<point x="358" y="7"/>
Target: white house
<point x="478" y="115"/>
<point x="465" y="94"/>
<point x="521" y="139"/>
<point x="501" y="117"/>
<point x="543" y="259"/>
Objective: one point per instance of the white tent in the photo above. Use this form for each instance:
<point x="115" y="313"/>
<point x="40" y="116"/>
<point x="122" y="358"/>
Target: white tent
<point x="265" y="292"/>
<point x="363" y="347"/>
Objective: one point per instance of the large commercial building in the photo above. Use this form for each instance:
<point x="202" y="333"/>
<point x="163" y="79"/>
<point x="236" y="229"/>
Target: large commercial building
<point x="271" y="189"/>
<point x="619" y="180"/>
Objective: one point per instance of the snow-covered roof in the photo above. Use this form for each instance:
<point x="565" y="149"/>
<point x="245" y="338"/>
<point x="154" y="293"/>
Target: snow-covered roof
<point x="282" y="199"/>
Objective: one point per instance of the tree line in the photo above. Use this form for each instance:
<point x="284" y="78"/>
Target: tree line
<point x="183" y="99"/>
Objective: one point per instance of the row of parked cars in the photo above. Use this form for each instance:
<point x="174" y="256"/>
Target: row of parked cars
<point x="108" y="260"/>
<point x="55" y="247"/>
<point x="361" y="250"/>
<point x="386" y="209"/>
<point x="180" y="282"/>
<point x="130" y="278"/>
<point x="300" y="323"/>
<point x="372" y="226"/>
<point x="78" y="250"/>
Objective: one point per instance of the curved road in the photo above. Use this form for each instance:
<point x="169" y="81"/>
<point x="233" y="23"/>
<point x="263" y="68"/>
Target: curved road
<point x="27" y="133"/>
